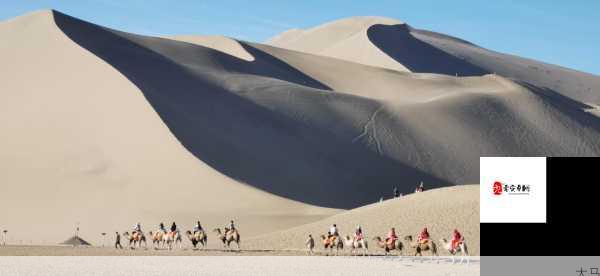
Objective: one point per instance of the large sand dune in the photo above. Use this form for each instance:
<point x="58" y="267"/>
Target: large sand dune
<point x="107" y="128"/>
<point x="82" y="144"/>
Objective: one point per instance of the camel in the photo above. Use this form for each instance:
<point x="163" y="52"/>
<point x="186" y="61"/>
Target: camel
<point x="397" y="245"/>
<point x="158" y="239"/>
<point x="228" y="237"/>
<point x="172" y="238"/>
<point x="420" y="247"/>
<point x="135" y="238"/>
<point x="198" y="237"/>
<point x="353" y="244"/>
<point x="462" y="247"/>
<point x="333" y="242"/>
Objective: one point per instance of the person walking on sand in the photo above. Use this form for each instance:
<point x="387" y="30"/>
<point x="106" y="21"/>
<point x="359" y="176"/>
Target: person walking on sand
<point x="420" y="188"/>
<point x="310" y="243"/>
<point x="118" y="241"/>
<point x="396" y="192"/>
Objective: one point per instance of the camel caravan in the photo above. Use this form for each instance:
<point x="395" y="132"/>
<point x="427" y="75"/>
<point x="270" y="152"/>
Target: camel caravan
<point x="163" y="239"/>
<point x="391" y="244"/>
<point x="333" y="243"/>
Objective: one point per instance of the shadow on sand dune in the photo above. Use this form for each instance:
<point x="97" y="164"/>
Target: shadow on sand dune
<point x="240" y="138"/>
<point x="567" y="106"/>
<point x="418" y="56"/>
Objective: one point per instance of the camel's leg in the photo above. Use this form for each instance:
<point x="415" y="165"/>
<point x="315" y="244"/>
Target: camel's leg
<point x="434" y="252"/>
<point x="466" y="252"/>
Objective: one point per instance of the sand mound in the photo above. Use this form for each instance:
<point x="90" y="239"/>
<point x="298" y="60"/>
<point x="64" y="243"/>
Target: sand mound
<point x="440" y="210"/>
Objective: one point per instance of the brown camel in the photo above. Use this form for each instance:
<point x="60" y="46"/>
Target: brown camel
<point x="388" y="247"/>
<point x="173" y="238"/>
<point x="136" y="237"/>
<point x="332" y="242"/>
<point x="420" y="247"/>
<point x="158" y="239"/>
<point x="198" y="237"/>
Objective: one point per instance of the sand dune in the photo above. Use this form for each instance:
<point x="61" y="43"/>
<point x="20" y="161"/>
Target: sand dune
<point x="84" y="145"/>
<point x="344" y="39"/>
<point x="106" y="128"/>
<point x="440" y="210"/>
<point x="430" y="52"/>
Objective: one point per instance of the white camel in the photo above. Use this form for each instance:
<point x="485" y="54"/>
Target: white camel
<point x="462" y="247"/>
<point x="354" y="244"/>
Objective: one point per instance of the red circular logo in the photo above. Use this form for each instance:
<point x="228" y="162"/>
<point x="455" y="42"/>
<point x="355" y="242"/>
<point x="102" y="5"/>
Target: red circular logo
<point x="497" y="188"/>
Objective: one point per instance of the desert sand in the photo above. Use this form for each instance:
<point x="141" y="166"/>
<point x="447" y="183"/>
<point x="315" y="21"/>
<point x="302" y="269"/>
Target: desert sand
<point x="271" y="265"/>
<point x="103" y="128"/>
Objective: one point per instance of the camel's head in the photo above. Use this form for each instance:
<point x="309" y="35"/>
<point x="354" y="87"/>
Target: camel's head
<point x="150" y="233"/>
<point x="443" y="240"/>
<point x="323" y="237"/>
<point x="217" y="230"/>
<point x="377" y="238"/>
<point x="126" y="233"/>
<point x="188" y="232"/>
<point x="408" y="238"/>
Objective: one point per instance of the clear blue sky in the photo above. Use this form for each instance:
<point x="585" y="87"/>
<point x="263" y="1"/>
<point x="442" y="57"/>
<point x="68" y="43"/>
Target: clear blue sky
<point x="566" y="33"/>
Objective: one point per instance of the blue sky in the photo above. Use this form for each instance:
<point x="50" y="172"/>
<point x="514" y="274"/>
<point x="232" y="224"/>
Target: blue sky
<point x="566" y="33"/>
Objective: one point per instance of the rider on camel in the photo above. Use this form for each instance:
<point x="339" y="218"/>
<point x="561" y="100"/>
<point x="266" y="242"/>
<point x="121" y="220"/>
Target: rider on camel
<point x="358" y="235"/>
<point x="137" y="228"/>
<point x="457" y="238"/>
<point x="391" y="236"/>
<point x="424" y="236"/>
<point x="231" y="228"/>
<point x="333" y="232"/>
<point x="198" y="227"/>
<point x="161" y="227"/>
